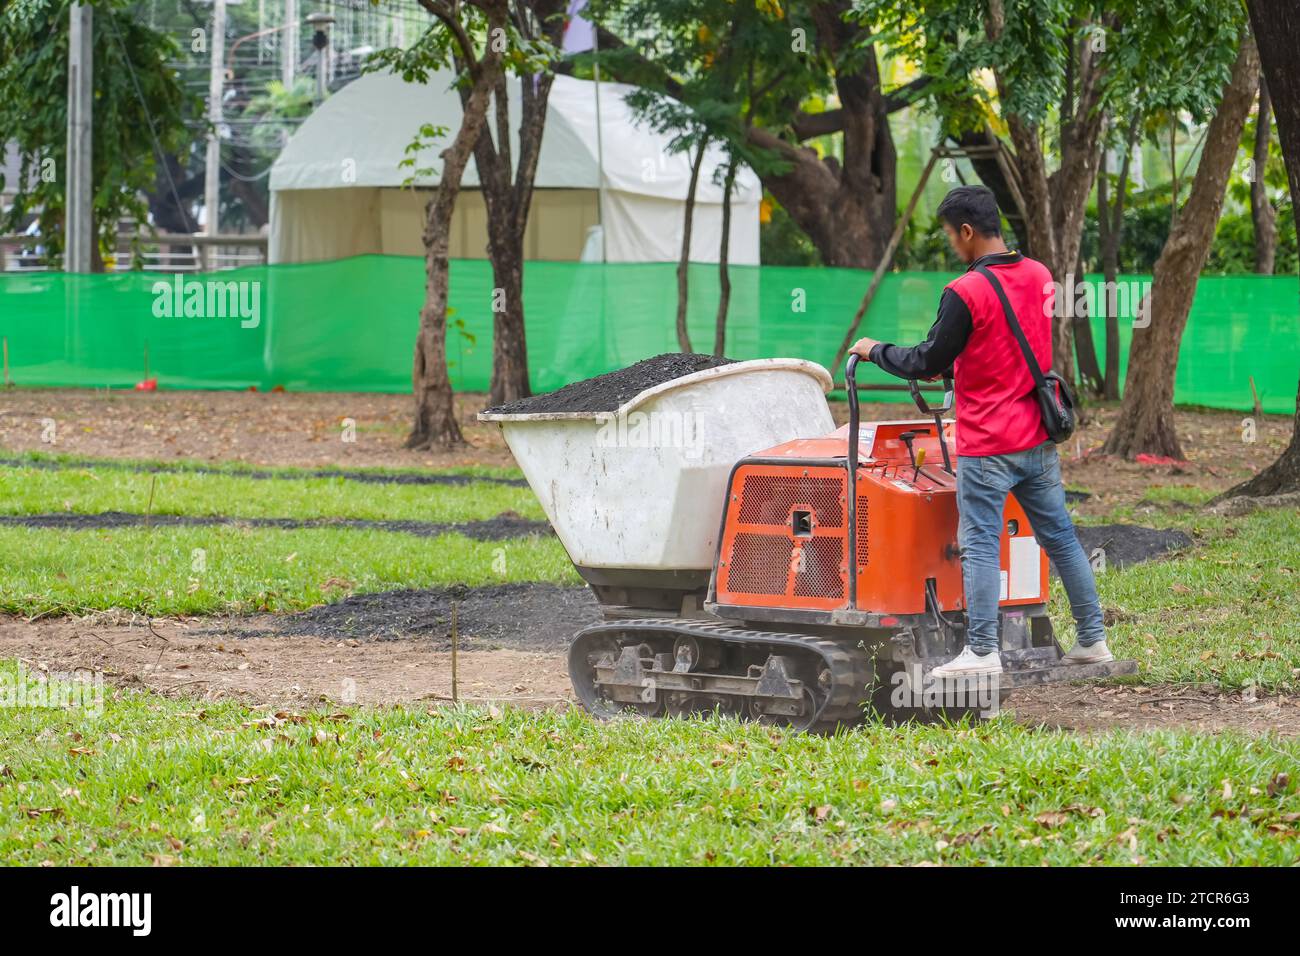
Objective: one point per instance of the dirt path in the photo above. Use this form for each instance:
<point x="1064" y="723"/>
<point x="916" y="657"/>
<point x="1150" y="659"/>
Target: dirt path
<point x="307" y="429"/>
<point x="302" y="429"/>
<point x="1085" y="707"/>
<point x="177" y="657"/>
<point x="196" y="660"/>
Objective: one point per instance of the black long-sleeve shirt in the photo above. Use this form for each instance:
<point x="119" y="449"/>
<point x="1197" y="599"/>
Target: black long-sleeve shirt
<point x="947" y="337"/>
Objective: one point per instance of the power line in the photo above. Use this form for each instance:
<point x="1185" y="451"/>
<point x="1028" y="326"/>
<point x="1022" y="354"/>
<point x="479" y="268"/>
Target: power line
<point x="247" y="179"/>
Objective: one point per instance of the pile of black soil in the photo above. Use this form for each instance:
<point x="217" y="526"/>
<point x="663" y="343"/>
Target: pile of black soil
<point x="518" y="616"/>
<point x="1125" y="544"/>
<point x="501" y="528"/>
<point x="605" y="393"/>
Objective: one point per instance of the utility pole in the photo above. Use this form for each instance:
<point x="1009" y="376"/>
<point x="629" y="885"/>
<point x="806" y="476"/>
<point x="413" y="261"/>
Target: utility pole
<point x="216" y="87"/>
<point x="78" y="220"/>
<point x="289" y="47"/>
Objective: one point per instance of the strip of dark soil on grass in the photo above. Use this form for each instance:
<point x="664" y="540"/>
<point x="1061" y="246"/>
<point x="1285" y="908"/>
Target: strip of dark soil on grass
<point x="365" y="477"/>
<point x="520" y="616"/>
<point x="500" y="528"/>
<point x="1125" y="544"/>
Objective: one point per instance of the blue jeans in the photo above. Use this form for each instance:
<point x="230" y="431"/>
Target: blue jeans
<point x="1034" y="475"/>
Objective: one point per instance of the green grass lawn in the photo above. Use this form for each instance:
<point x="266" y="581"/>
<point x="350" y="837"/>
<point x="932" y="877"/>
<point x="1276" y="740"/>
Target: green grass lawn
<point x="156" y="780"/>
<point x="94" y="489"/>
<point x="153" y="780"/>
<point x="1226" y="612"/>
<point x="164" y="571"/>
<point x="243" y="468"/>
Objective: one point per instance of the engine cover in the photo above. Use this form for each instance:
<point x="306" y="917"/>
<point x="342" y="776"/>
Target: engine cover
<point x="786" y="539"/>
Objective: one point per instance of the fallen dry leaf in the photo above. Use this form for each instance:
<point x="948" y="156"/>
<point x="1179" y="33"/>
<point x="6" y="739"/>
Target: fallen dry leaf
<point x="1278" y="784"/>
<point x="38" y="812"/>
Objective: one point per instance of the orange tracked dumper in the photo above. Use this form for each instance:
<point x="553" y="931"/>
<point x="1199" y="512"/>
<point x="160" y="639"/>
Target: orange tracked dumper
<point x="836" y="586"/>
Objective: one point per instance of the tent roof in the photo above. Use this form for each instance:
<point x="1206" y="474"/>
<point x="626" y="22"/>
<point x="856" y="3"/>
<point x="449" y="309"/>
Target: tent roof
<point x="372" y="120"/>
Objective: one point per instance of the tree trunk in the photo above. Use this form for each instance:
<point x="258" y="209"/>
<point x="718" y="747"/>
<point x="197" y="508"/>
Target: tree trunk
<point x="435" y="412"/>
<point x="683" y="264"/>
<point x="507" y="187"/>
<point x="1281" y="476"/>
<point x="1090" y="376"/>
<point x="1053" y="205"/>
<point x="435" y="423"/>
<point x="1146" y="420"/>
<point x="1277" y="29"/>
<point x="1261" y="210"/>
<point x="509" y="346"/>
<point x="724" y="271"/>
<point x="847" y="209"/>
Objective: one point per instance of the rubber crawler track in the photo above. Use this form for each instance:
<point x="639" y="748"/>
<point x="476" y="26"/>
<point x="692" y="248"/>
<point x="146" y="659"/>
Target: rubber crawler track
<point x="850" y="666"/>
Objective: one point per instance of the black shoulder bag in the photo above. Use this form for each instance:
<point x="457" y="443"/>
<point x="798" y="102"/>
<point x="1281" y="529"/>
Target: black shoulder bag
<point x="1053" y="395"/>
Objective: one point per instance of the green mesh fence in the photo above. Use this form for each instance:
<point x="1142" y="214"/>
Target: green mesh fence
<point x="350" y="325"/>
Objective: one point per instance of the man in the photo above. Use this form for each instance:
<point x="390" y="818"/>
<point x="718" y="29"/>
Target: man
<point x="1002" y="446"/>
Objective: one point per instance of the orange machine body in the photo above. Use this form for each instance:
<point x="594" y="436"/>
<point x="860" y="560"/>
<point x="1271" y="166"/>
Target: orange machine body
<point x="785" y="539"/>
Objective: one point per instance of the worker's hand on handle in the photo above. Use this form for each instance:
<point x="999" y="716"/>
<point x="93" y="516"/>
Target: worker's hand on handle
<point x="863" y="346"/>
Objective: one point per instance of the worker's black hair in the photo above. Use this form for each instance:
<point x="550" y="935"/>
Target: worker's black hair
<point x="973" y="205"/>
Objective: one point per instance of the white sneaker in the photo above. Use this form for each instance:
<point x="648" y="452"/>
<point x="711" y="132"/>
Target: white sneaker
<point x="1097" y="653"/>
<point x="969" y="664"/>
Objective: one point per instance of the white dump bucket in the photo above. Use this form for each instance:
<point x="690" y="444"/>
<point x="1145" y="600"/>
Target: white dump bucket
<point x="643" y="487"/>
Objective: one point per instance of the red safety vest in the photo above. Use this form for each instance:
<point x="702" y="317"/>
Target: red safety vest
<point x="997" y="413"/>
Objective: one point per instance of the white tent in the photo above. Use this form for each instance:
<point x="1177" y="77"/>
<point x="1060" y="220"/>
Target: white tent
<point x="337" y="187"/>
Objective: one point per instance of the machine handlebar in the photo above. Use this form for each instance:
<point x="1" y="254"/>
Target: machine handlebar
<point x="851" y="387"/>
<point x="935" y="411"/>
<point x="926" y="408"/>
<point x="851" y="484"/>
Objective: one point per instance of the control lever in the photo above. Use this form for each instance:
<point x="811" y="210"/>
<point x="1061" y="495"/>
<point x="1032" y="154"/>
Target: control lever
<point x="937" y="413"/>
<point x="907" y="438"/>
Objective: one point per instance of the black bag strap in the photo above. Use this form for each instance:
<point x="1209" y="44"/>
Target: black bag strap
<point x="1034" y="368"/>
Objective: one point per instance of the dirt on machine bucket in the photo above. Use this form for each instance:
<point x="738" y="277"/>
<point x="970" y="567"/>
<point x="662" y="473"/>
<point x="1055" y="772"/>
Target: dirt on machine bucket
<point x="605" y="393"/>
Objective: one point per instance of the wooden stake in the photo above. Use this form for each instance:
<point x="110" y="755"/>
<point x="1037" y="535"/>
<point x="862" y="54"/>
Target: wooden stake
<point x="455" y="647"/>
<point x="148" y="509"/>
<point x="1259" y="409"/>
<point x="8" y="381"/>
<point x="886" y="260"/>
